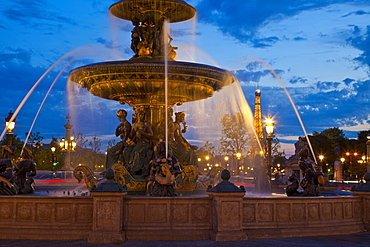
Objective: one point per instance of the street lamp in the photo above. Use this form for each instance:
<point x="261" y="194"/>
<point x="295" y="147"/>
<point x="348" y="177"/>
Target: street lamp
<point x="226" y="158"/>
<point x="10" y="125"/>
<point x="238" y="155"/>
<point x="368" y="153"/>
<point x="53" y="160"/>
<point x="269" y="126"/>
<point x="321" y="158"/>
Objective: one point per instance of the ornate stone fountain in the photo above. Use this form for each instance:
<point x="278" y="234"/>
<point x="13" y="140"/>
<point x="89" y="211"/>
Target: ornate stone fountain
<point x="140" y="81"/>
<point x="152" y="82"/>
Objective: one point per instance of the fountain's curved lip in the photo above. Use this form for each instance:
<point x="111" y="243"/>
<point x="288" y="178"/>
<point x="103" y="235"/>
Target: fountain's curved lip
<point x="138" y="63"/>
<point x="172" y="10"/>
<point x="143" y="81"/>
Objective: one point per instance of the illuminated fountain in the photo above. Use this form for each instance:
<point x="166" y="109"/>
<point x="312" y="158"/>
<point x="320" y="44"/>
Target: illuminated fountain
<point x="152" y="82"/>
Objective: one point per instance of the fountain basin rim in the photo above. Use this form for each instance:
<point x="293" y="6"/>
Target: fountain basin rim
<point x="128" y="9"/>
<point x="154" y="62"/>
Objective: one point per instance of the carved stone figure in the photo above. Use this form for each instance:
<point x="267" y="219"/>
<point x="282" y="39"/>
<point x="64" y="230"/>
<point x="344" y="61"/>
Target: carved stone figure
<point x="310" y="181"/>
<point x="24" y="170"/>
<point x="138" y="155"/>
<point x="162" y="173"/>
<point x="6" y="164"/>
<point x="160" y="127"/>
<point x="123" y="130"/>
<point x="292" y="189"/>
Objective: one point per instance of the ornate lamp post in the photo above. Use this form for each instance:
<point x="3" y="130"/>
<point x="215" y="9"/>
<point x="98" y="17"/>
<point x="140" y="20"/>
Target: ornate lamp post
<point x="321" y="158"/>
<point x="238" y="156"/>
<point x="269" y="126"/>
<point x="368" y="153"/>
<point x="67" y="145"/>
<point x="53" y="161"/>
<point x="226" y="158"/>
<point x="10" y="124"/>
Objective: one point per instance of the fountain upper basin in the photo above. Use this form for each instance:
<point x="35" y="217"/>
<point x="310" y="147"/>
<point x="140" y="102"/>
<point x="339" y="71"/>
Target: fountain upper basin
<point x="142" y="82"/>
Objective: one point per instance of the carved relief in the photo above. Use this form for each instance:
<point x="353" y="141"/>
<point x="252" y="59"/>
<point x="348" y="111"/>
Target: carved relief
<point x="106" y="214"/>
<point x="64" y="212"/>
<point x="299" y="211"/>
<point x="200" y="213"/>
<point x="282" y="212"/>
<point x="265" y="212"/>
<point x="24" y="211"/>
<point x="136" y="213"/>
<point x="249" y="213"/>
<point x="326" y="211"/>
<point x="84" y="212"/>
<point x="157" y="213"/>
<point x="44" y="212"/>
<point x="338" y="211"/>
<point x="230" y="214"/>
<point x="179" y="212"/>
<point x="313" y="211"/>
<point x="348" y="213"/>
<point x="6" y="211"/>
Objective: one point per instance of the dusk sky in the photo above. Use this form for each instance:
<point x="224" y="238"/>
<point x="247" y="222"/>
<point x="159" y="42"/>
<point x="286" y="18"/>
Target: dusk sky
<point x="319" y="48"/>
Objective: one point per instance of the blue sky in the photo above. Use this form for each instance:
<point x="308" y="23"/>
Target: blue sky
<point x="319" y="48"/>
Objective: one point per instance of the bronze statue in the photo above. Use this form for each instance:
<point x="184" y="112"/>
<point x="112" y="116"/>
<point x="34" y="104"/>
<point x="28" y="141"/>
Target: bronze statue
<point x="6" y="163"/>
<point x="138" y="156"/>
<point x="310" y="181"/>
<point x="162" y="173"/>
<point x="123" y="130"/>
<point x="292" y="189"/>
<point x="24" y="170"/>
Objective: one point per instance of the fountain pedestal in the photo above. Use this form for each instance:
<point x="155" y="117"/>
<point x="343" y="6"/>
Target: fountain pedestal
<point x="107" y="217"/>
<point x="227" y="216"/>
<point x="227" y="200"/>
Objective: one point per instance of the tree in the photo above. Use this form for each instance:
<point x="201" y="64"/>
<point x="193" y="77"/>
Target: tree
<point x="39" y="155"/>
<point x="324" y="143"/>
<point x="111" y="143"/>
<point x="80" y="150"/>
<point x="362" y="139"/>
<point x="236" y="135"/>
<point x="95" y="155"/>
<point x="206" y="149"/>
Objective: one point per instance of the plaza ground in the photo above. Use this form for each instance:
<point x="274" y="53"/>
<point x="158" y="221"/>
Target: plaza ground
<point x="356" y="239"/>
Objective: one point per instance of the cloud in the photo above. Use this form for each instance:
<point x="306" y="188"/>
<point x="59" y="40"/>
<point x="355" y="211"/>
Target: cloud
<point x="299" y="39"/>
<point x="359" y="12"/>
<point x="360" y="39"/>
<point x="35" y="15"/>
<point x="297" y="79"/>
<point x="348" y="81"/>
<point x="243" y="19"/>
<point x="106" y="43"/>
<point x="253" y="73"/>
<point x="325" y="85"/>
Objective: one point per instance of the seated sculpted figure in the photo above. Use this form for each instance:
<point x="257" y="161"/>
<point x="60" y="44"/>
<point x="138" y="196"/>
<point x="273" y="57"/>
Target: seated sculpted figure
<point x="123" y="130"/>
<point x="177" y="144"/>
<point x="181" y="147"/>
<point x="162" y="173"/>
<point x="24" y="170"/>
<point x="310" y="180"/>
<point x="6" y="164"/>
<point x="138" y="155"/>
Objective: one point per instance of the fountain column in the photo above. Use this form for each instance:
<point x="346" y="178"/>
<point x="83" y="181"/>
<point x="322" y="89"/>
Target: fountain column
<point x="68" y="146"/>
